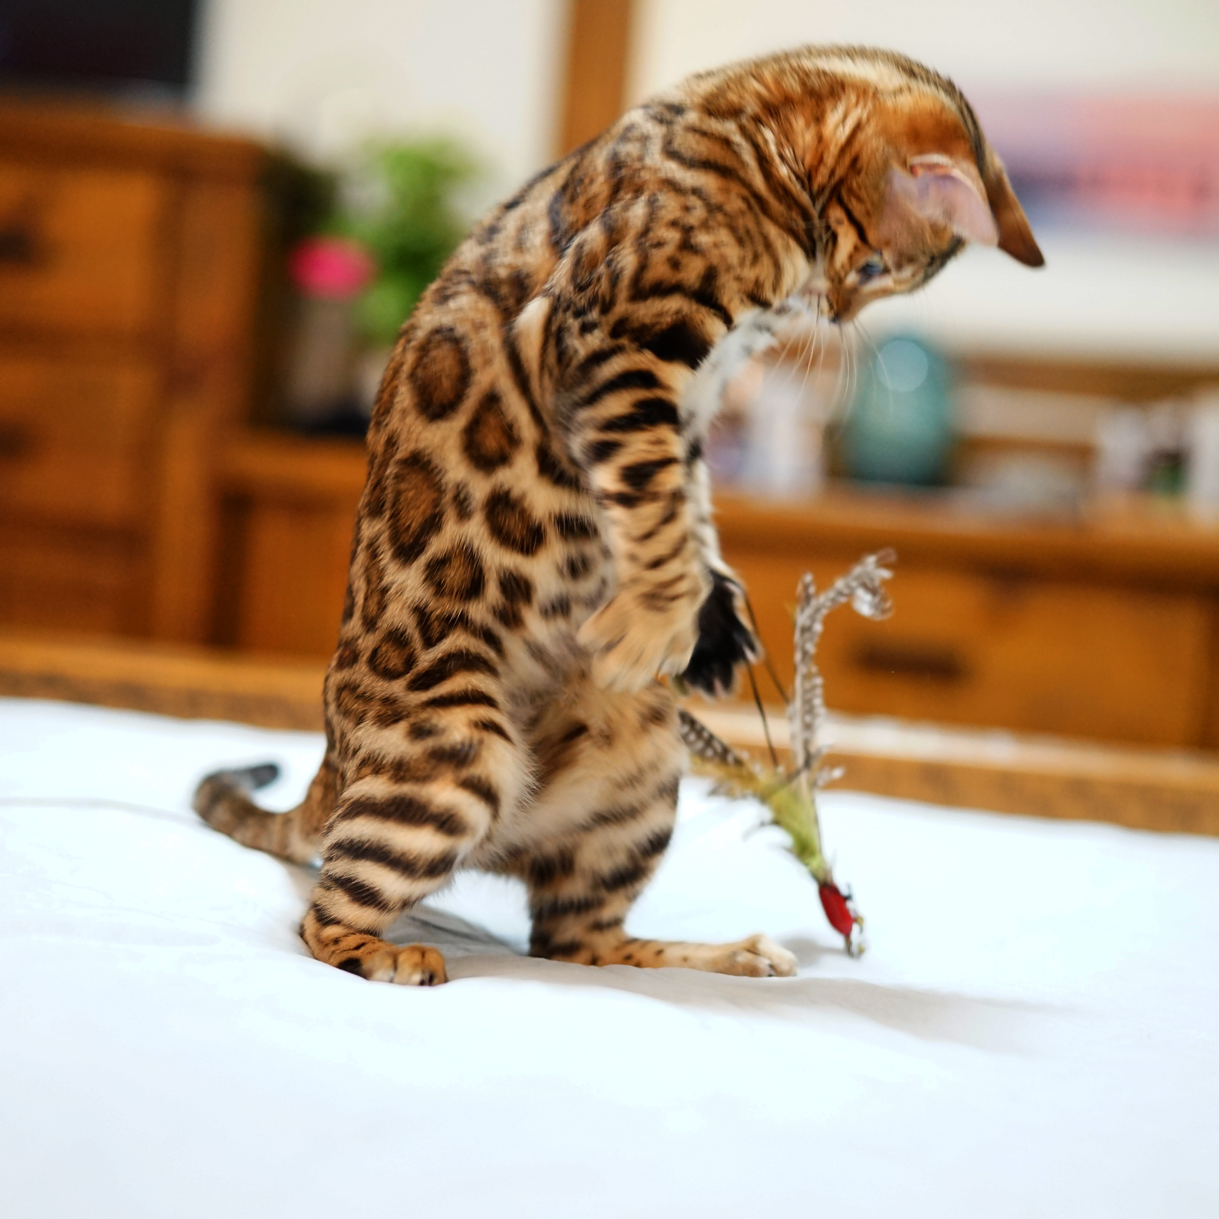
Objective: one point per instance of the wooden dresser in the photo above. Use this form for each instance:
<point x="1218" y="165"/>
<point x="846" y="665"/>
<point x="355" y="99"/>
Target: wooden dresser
<point x="1105" y="626"/>
<point x="129" y="268"/>
<point x="1102" y="626"/>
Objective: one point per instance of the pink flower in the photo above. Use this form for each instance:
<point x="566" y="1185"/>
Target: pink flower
<point x="333" y="268"/>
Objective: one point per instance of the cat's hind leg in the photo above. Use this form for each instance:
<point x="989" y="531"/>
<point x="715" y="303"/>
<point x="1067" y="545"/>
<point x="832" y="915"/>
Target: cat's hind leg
<point x="611" y="764"/>
<point x="420" y="797"/>
<point x="223" y="800"/>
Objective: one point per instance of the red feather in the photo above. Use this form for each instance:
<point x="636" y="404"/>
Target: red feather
<point x="837" y="909"/>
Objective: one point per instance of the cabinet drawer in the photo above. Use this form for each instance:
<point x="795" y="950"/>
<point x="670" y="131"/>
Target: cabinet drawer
<point x="1035" y="655"/>
<point x="74" y="440"/>
<point x="78" y="248"/>
<point x="56" y="579"/>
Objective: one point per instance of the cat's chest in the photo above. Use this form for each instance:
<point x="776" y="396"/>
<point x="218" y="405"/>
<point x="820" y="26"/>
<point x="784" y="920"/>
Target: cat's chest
<point x="753" y="333"/>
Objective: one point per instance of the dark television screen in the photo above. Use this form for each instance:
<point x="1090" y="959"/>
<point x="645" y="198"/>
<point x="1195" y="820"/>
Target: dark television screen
<point x="97" y="44"/>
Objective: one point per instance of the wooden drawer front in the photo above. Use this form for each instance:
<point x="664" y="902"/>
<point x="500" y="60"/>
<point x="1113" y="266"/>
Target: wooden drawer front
<point x="1040" y="656"/>
<point x="57" y="580"/>
<point x="78" y="248"/>
<point x="74" y="440"/>
<point x="289" y="563"/>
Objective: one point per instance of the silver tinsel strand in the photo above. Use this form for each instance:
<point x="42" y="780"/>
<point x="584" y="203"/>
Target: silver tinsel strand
<point x="864" y="587"/>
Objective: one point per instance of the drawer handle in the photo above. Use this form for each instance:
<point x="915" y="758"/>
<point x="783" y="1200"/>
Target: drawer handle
<point x="925" y="660"/>
<point x="18" y="246"/>
<point x="16" y="440"/>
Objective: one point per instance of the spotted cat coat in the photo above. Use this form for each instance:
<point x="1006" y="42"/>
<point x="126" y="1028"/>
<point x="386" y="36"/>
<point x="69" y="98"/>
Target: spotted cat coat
<point x="534" y="544"/>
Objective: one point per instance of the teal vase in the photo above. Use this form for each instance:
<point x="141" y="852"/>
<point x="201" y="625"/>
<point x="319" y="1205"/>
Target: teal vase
<point x="898" y="427"/>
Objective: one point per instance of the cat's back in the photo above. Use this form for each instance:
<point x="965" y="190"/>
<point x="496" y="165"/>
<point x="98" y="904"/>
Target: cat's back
<point x="616" y="187"/>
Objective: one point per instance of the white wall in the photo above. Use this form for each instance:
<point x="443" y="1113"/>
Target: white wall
<point x="1100" y="295"/>
<point x="1167" y="44"/>
<point x="323" y="74"/>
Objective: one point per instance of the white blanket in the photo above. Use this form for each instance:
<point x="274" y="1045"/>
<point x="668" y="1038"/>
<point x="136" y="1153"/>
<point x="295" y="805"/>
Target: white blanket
<point x="1032" y="1032"/>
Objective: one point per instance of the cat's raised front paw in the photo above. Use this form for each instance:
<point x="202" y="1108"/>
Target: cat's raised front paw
<point x="631" y="646"/>
<point x="724" y="640"/>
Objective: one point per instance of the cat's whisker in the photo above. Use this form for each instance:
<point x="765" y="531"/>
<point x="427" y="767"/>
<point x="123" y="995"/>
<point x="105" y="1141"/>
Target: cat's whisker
<point x="853" y="391"/>
<point x="845" y="390"/>
<point x="828" y="410"/>
<point x="808" y="361"/>
<point x="792" y="365"/>
<point x="794" y="358"/>
<point x="860" y="329"/>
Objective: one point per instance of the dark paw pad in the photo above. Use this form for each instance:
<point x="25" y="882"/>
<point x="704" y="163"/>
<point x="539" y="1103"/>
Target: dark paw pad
<point x="724" y="641"/>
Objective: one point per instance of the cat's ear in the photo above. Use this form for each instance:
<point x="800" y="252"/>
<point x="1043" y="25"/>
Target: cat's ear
<point x="1015" y="236"/>
<point x="937" y="189"/>
<point x="944" y="191"/>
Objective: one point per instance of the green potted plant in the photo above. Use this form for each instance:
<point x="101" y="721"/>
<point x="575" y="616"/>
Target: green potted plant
<point x="396" y="218"/>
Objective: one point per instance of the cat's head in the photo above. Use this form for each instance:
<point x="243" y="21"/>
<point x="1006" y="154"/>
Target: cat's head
<point x="902" y="175"/>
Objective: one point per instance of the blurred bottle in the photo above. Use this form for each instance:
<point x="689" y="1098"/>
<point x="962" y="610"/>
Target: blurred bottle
<point x="898" y="428"/>
<point x="1123" y="450"/>
<point x="1167" y="428"/>
<point x="328" y="274"/>
<point x="781" y="436"/>
<point x="1202" y="483"/>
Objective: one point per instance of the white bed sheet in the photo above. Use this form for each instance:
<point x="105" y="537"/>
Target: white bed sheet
<point x="1032" y="1032"/>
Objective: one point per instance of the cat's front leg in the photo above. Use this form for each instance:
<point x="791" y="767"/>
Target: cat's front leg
<point x="725" y="639"/>
<point x="624" y="429"/>
<point x="649" y="626"/>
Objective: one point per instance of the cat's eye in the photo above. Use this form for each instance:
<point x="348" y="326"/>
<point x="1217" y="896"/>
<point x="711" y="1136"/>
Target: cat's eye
<point x="871" y="269"/>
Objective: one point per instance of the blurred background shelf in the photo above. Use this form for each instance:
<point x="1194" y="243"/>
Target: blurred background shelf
<point x="1104" y="626"/>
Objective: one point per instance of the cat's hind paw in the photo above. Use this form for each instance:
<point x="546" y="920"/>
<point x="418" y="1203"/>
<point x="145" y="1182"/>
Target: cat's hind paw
<point x="411" y="965"/>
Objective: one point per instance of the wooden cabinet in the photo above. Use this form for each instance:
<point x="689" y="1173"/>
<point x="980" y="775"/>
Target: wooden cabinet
<point x="129" y="268"/>
<point x="82" y="246"/>
<point x="290" y="507"/>
<point x="968" y="647"/>
<point x="76" y="438"/>
<point x="1105" y="627"/>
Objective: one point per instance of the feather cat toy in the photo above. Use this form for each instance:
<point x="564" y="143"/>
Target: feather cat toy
<point x="790" y="796"/>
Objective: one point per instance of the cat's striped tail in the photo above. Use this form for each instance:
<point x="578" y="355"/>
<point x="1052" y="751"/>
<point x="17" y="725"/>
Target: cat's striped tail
<point x="223" y="800"/>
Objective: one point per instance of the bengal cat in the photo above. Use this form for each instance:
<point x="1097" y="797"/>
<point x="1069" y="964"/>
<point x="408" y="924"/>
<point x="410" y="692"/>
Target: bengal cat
<point x="534" y="548"/>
